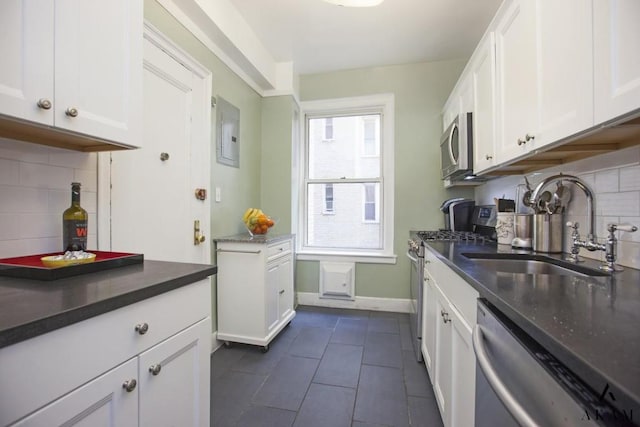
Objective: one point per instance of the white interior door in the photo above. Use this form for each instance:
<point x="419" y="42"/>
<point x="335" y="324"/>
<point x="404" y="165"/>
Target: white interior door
<point x="153" y="203"/>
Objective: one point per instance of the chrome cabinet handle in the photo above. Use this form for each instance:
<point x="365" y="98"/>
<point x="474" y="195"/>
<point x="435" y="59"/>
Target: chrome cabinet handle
<point x="488" y="157"/>
<point x="445" y="316"/>
<point x="529" y="137"/>
<point x="130" y="385"/>
<point x="509" y="401"/>
<point x="281" y="292"/>
<point x="142" y="328"/>
<point x="71" y="112"/>
<point x="521" y="141"/>
<point x="44" y="103"/>
<point x="155" y="369"/>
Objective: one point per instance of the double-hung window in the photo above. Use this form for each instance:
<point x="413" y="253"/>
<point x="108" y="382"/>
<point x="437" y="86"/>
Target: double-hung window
<point x="346" y="184"/>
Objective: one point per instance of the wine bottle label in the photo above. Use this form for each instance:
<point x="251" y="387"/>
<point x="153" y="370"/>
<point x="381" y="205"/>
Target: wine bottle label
<point x="75" y="235"/>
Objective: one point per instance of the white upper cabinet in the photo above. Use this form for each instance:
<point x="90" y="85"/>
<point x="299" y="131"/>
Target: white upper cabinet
<point x="517" y="67"/>
<point x="616" y="57"/>
<point x="533" y="77"/>
<point x="26" y="49"/>
<point x="483" y="77"/>
<point x="564" y="74"/>
<point x="75" y="65"/>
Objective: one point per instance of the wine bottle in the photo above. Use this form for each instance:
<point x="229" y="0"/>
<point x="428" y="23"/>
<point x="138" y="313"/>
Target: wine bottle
<point x="74" y="223"/>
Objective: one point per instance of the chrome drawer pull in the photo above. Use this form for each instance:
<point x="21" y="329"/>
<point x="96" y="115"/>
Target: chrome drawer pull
<point x="155" y="369"/>
<point x="142" y="328"/>
<point x="130" y="385"/>
<point x="238" y="252"/>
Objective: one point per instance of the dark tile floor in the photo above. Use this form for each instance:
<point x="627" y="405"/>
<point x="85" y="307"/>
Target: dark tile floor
<point x="329" y="367"/>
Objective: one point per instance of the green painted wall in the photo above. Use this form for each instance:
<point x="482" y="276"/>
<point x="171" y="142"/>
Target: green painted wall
<point x="277" y="139"/>
<point x="420" y="92"/>
<point x="240" y="186"/>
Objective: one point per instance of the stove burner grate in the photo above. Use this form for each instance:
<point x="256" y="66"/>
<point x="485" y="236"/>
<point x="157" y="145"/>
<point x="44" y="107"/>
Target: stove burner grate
<point x="452" y="236"/>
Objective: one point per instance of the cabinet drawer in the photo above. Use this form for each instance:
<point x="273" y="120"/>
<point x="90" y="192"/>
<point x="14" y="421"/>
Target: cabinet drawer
<point x="37" y="371"/>
<point x="275" y="250"/>
<point x="460" y="293"/>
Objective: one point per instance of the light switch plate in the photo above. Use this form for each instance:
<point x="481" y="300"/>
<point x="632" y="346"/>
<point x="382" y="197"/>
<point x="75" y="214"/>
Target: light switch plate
<point x="218" y="194"/>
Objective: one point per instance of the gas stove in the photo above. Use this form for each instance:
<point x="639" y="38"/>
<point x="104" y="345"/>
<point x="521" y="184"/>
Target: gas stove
<point x="452" y="236"/>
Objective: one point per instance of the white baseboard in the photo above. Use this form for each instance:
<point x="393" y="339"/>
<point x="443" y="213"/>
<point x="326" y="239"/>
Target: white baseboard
<point x="215" y="344"/>
<point x="398" y="305"/>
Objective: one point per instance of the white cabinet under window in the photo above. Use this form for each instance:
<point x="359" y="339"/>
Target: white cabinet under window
<point x="255" y="288"/>
<point x="74" y="65"/>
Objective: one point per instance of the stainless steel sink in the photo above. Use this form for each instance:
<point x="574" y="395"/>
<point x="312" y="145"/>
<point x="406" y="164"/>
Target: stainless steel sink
<point x="530" y="264"/>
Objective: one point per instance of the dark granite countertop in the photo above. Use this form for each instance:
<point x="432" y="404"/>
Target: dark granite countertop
<point x="258" y="238"/>
<point x="591" y="324"/>
<point x="29" y="308"/>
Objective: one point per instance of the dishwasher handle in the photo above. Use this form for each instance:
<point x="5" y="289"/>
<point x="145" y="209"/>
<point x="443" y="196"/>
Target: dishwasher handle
<point x="501" y="390"/>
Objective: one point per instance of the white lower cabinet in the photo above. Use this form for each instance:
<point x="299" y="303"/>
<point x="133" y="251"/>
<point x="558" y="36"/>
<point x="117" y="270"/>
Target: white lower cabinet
<point x="146" y="364"/>
<point x="174" y="379"/>
<point x="102" y="402"/>
<point x="255" y="290"/>
<point x="449" y="309"/>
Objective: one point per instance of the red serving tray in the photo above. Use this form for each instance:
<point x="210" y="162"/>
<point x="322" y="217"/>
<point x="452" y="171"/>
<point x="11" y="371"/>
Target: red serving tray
<point x="31" y="267"/>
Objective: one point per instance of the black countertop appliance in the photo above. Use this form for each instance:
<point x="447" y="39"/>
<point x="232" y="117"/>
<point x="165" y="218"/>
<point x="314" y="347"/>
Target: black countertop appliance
<point x="458" y="214"/>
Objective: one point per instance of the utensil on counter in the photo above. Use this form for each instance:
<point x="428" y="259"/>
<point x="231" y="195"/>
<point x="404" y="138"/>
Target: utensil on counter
<point x="543" y="202"/>
<point x="561" y="197"/>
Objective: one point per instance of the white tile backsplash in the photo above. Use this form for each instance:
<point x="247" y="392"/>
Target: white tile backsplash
<point x="614" y="179"/>
<point x="630" y="178"/>
<point x="606" y="181"/>
<point x="35" y="188"/>
<point x="45" y="176"/>
<point x="9" y="171"/>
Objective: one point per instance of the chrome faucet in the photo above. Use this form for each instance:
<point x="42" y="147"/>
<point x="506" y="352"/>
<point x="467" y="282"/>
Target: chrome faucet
<point x="591" y="243"/>
<point x="609" y="247"/>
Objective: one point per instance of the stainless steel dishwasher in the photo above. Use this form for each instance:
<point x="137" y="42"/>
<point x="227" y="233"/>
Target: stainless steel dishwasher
<point x="519" y="383"/>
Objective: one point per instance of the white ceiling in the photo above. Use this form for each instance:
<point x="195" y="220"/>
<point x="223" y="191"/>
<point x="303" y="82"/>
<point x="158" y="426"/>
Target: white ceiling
<point x="320" y="37"/>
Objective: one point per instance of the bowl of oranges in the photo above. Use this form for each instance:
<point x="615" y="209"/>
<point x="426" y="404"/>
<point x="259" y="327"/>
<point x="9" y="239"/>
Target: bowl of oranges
<point x="257" y="222"/>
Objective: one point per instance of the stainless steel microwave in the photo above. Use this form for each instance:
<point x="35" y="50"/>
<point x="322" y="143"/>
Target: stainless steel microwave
<point x="456" y="148"/>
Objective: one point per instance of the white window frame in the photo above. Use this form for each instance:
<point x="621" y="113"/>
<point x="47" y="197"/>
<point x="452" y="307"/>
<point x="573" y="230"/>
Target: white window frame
<point x="384" y="103"/>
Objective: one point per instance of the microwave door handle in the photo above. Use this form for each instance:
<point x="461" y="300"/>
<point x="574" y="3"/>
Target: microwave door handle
<point x="454" y="161"/>
<point x="509" y="401"/>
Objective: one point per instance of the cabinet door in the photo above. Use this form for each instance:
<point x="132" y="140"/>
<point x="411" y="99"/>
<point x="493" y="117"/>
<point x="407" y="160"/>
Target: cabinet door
<point x="483" y="77"/>
<point x="463" y="372"/>
<point x="429" y="319"/>
<point x="98" y="68"/>
<point x="516" y="79"/>
<point x="565" y="64"/>
<point x="26" y="49"/>
<point x="442" y="380"/>
<point x="616" y="57"/>
<point x="285" y="291"/>
<point x="272" y="296"/>
<point x="174" y="379"/>
<point x="101" y="402"/>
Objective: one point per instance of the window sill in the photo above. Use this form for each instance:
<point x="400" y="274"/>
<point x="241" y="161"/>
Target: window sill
<point x="359" y="257"/>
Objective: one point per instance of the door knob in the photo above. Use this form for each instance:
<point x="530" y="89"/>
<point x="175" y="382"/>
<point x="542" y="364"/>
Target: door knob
<point x="142" y="328"/>
<point x="155" y="369"/>
<point x="71" y="112"/>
